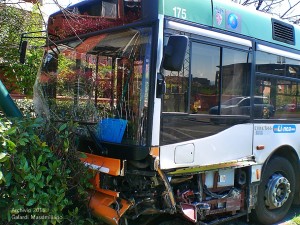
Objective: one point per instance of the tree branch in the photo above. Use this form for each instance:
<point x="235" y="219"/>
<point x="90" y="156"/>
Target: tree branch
<point x="291" y="7"/>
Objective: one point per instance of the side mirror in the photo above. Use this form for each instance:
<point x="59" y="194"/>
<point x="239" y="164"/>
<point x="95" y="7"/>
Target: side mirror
<point x="175" y="52"/>
<point x="23" y="49"/>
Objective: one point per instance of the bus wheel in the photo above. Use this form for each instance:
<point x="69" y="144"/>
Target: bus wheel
<point x="275" y="192"/>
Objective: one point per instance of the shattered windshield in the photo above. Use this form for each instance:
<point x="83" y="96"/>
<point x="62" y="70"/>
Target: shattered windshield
<point x="101" y="81"/>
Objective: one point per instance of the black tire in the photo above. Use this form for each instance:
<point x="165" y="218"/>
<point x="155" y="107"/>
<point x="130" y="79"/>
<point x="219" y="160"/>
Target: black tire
<point x="278" y="178"/>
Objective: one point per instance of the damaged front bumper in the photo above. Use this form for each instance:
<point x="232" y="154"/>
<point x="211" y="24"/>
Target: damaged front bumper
<point x="106" y="204"/>
<point x="108" y="208"/>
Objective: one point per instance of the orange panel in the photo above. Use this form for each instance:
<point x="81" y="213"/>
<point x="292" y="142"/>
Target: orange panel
<point x="154" y="151"/>
<point x="95" y="181"/>
<point x="103" y="164"/>
<point x="101" y="205"/>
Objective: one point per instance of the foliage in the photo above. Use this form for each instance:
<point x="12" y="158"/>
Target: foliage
<point x="13" y="23"/>
<point x="26" y="107"/>
<point x="39" y="180"/>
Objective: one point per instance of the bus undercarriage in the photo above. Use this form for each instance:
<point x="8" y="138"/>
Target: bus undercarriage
<point x="144" y="194"/>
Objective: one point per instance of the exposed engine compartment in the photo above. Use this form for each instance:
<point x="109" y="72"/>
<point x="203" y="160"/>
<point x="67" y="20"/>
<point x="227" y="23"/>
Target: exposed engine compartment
<point x="197" y="197"/>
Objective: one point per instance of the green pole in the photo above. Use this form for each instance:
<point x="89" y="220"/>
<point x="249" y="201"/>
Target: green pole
<point x="7" y="104"/>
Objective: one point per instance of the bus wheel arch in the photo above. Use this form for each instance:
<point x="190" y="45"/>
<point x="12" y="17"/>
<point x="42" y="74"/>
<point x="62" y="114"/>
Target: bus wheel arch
<point x="276" y="189"/>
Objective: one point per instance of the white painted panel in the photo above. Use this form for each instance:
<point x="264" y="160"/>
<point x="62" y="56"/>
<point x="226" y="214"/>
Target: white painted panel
<point x="184" y="154"/>
<point x="270" y="136"/>
<point x="157" y="101"/>
<point x="231" y="144"/>
<point x="156" y="122"/>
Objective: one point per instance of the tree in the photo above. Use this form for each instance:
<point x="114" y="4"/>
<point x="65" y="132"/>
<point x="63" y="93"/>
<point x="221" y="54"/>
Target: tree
<point x="285" y="9"/>
<point x="13" y="22"/>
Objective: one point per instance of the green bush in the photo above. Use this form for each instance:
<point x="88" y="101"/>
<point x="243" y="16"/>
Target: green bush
<point x="41" y="183"/>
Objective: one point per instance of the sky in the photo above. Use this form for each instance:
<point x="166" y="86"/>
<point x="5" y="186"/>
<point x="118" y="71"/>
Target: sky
<point x="49" y="7"/>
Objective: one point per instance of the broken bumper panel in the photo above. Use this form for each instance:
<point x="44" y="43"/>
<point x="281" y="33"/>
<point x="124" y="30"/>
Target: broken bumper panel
<point x="108" y="208"/>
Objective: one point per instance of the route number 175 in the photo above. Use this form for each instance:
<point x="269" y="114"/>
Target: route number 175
<point x="179" y="12"/>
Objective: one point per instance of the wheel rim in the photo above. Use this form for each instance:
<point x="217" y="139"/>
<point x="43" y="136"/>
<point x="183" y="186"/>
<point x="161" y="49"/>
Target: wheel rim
<point x="277" y="191"/>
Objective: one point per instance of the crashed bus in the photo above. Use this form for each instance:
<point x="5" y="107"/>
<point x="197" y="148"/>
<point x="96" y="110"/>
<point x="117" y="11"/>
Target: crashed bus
<point x="188" y="110"/>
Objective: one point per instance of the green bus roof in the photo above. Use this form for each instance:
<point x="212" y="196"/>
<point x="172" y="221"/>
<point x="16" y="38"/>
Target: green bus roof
<point x="234" y="18"/>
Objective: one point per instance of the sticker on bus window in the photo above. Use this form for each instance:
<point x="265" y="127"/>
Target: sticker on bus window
<point x="280" y="128"/>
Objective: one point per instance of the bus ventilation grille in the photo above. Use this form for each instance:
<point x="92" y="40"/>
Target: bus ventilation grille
<point x="283" y="32"/>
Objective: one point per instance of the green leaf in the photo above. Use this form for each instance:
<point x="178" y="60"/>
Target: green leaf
<point x="18" y="178"/>
<point x="8" y="216"/>
<point x="82" y="155"/>
<point x="38" y="176"/>
<point x="25" y="166"/>
<point x="43" y="168"/>
<point x="62" y="127"/>
<point x="3" y="157"/>
<point x="48" y="178"/>
<point x="60" y="198"/>
<point x="31" y="202"/>
<point x="8" y="178"/>
<point x="11" y="131"/>
<point x="44" y="144"/>
<point x="11" y="146"/>
<point x="39" y="120"/>
<point x="39" y="159"/>
<point x="41" y="184"/>
<point x="23" y="141"/>
<point x="31" y="187"/>
<point x="1" y="177"/>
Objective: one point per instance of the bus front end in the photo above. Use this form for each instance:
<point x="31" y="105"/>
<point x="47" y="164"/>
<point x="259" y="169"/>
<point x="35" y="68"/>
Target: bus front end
<point x="99" y="71"/>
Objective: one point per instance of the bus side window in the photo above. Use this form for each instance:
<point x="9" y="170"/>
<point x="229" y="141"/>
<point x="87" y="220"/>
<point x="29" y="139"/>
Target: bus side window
<point x="283" y="97"/>
<point x="235" y="82"/>
<point x="205" y="65"/>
